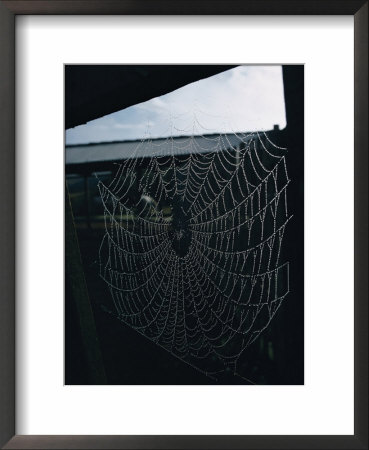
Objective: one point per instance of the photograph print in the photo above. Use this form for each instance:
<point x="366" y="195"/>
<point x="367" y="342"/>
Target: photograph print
<point x="184" y="224"/>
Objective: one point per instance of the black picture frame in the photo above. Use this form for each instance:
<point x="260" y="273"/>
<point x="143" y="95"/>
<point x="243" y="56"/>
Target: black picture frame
<point x="8" y="11"/>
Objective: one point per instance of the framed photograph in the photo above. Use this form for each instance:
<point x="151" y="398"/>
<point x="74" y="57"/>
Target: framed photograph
<point x="184" y="225"/>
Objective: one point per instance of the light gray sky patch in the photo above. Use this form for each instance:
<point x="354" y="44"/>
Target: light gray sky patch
<point x="246" y="98"/>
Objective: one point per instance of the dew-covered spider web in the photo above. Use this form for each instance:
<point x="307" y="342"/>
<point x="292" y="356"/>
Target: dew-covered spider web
<point x="193" y="246"/>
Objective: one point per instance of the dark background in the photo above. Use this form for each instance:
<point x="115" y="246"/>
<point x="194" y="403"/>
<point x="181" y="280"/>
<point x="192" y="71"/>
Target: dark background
<point x="277" y="356"/>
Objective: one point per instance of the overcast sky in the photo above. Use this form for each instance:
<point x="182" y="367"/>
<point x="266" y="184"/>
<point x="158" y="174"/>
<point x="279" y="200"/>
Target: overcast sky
<point x="246" y="98"/>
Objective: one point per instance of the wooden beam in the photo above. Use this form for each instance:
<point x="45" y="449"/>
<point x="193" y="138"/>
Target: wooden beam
<point x="79" y="295"/>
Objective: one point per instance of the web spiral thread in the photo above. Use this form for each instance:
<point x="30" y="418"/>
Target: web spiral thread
<point x="192" y="252"/>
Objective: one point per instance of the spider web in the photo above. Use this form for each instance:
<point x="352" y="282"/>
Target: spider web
<point x="192" y="251"/>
